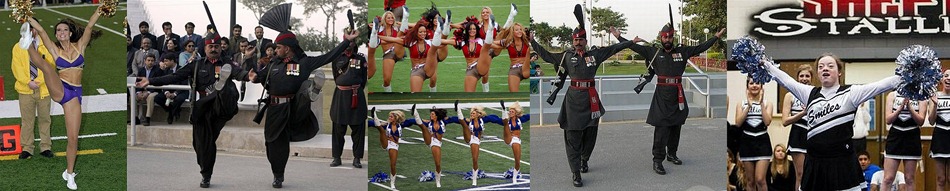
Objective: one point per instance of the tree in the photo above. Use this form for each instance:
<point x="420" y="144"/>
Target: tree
<point x="604" y="18"/>
<point x="360" y="20"/>
<point x="543" y="33"/>
<point x="706" y="14"/>
<point x="563" y="34"/>
<point x="260" y="6"/>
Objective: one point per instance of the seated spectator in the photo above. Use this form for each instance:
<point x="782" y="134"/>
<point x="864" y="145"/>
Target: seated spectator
<point x="148" y="96"/>
<point x="171" y="100"/>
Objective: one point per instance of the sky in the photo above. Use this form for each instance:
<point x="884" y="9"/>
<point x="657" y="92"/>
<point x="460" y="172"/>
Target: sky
<point x="644" y="17"/>
<point x="179" y="12"/>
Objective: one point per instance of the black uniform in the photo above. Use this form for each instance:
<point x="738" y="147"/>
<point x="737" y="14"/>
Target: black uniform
<point x="212" y="110"/>
<point x="577" y="116"/>
<point x="293" y="120"/>
<point x="348" y="108"/>
<point x="668" y="110"/>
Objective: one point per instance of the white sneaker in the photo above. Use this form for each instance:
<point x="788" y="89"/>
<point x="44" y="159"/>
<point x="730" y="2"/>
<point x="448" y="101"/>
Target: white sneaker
<point x="438" y="180"/>
<point x="514" y="176"/>
<point x="70" y="180"/>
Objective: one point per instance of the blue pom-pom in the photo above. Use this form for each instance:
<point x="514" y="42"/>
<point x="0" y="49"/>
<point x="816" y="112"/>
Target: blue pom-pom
<point x="749" y="55"/>
<point x="426" y="176"/>
<point x="468" y="175"/>
<point x="919" y="70"/>
<point x="511" y="172"/>
<point x="379" y="177"/>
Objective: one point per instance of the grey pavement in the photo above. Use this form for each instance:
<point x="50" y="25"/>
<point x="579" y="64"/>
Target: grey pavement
<point x="622" y="158"/>
<point x="176" y="169"/>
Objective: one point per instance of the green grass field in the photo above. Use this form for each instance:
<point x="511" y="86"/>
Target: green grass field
<point x="415" y="156"/>
<point x="451" y="71"/>
<point x="105" y="58"/>
<point x="105" y="171"/>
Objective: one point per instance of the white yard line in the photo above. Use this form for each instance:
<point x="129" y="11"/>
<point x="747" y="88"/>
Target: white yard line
<point x="82" y="136"/>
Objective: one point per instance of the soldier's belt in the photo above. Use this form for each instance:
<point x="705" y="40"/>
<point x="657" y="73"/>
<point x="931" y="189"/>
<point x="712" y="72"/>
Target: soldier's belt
<point x="669" y="80"/>
<point x="576" y="83"/>
<point x="355" y="95"/>
<point x="274" y="100"/>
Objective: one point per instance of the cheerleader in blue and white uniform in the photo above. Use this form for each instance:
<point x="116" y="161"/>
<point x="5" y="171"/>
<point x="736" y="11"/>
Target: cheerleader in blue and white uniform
<point x="903" y="137"/>
<point x="793" y="114"/>
<point x="512" y="120"/>
<point x="432" y="132"/>
<point x="831" y="163"/>
<point x="755" y="149"/>
<point x="389" y="133"/>
<point x="939" y="117"/>
<point x="472" y="129"/>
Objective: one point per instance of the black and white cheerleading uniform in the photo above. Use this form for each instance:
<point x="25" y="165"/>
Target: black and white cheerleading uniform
<point x="903" y="137"/>
<point x="754" y="143"/>
<point x="940" y="146"/>
<point x="831" y="163"/>
<point x="799" y="131"/>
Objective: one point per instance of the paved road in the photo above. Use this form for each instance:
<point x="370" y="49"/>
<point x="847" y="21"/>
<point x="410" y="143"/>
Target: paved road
<point x="622" y="159"/>
<point x="168" y="169"/>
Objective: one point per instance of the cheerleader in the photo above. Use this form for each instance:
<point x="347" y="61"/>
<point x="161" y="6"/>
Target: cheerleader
<point x="792" y="114"/>
<point x="940" y="147"/>
<point x="432" y="132"/>
<point x="472" y="129"/>
<point x="511" y="120"/>
<point x="389" y="133"/>
<point x="755" y="148"/>
<point x="831" y="163"/>
<point x="516" y="42"/>
<point x="394" y="52"/>
<point x="468" y="39"/>
<point x="903" y="138"/>
<point x="422" y="53"/>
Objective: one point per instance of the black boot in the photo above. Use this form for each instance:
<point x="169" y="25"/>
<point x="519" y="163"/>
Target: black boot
<point x="278" y="183"/>
<point x="584" y="167"/>
<point x="147" y="121"/>
<point x="356" y="163"/>
<point x="336" y="162"/>
<point x="578" y="182"/>
<point x="674" y="159"/>
<point x="658" y="168"/>
<point x="205" y="182"/>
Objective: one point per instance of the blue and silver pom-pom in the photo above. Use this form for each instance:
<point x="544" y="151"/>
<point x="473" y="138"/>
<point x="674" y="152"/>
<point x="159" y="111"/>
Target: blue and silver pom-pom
<point x="919" y="69"/>
<point x="379" y="177"/>
<point x="426" y="176"/>
<point x="749" y="54"/>
<point x="468" y="175"/>
<point x="511" y="172"/>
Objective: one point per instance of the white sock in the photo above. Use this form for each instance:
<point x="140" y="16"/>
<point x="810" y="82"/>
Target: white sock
<point x="511" y="17"/>
<point x="433" y="89"/>
<point x="447" y="26"/>
<point x="437" y="37"/>
<point x="485" y="87"/>
<point x="405" y="19"/>
<point x="489" y="37"/>
<point x="388" y="88"/>
<point x="373" y="36"/>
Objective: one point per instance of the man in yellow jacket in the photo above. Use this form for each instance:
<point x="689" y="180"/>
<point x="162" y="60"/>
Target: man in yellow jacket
<point x="34" y="98"/>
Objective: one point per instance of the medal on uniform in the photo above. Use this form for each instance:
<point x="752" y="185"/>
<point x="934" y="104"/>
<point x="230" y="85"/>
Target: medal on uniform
<point x="293" y="69"/>
<point x="677" y="57"/>
<point x="354" y="64"/>
<point x="590" y="61"/>
<point x="217" y="72"/>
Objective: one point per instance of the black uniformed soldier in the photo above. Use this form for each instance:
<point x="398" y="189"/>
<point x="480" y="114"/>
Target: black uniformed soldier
<point x="668" y="110"/>
<point x="348" y="108"/>
<point x="288" y="118"/>
<point x="216" y="105"/>
<point x="581" y="110"/>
